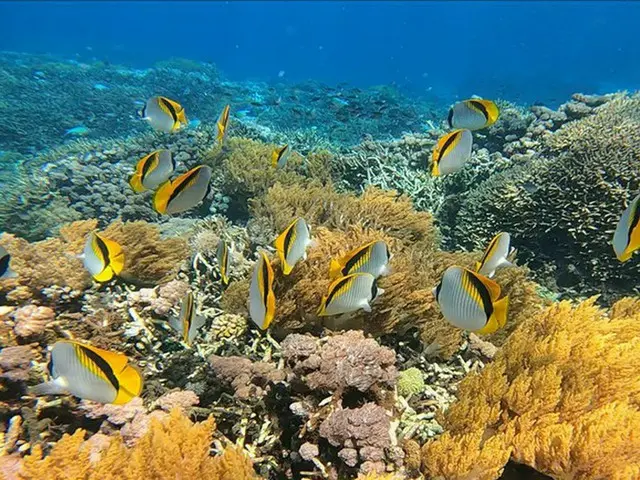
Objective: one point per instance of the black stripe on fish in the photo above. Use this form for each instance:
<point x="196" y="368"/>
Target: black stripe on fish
<point x="183" y="185"/>
<point x="339" y="286"/>
<point x="634" y="223"/>
<point x="480" y="107"/>
<point x="4" y="264"/>
<point x="147" y="164"/>
<point x="438" y="288"/>
<point x="450" y="118"/>
<point x="169" y="106"/>
<point x="265" y="282"/>
<point x="287" y="239"/>
<point x="282" y="152"/>
<point x="482" y="290"/>
<point x="104" y="251"/>
<point x="102" y="365"/>
<point x="374" y="290"/>
<point x="353" y="261"/>
<point x="488" y="250"/>
<point x="188" y="315"/>
<point x="447" y="144"/>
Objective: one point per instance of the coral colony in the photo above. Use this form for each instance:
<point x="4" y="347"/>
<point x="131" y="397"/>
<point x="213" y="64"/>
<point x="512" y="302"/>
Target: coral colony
<point x="97" y="276"/>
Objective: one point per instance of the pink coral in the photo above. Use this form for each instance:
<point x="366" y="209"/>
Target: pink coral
<point x="248" y="379"/>
<point x="115" y="414"/>
<point x="32" y="320"/>
<point x="136" y="429"/>
<point x="162" y="299"/>
<point x="182" y="399"/>
<point x="15" y="362"/>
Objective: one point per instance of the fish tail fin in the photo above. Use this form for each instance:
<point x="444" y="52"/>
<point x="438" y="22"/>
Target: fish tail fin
<point x="10" y="274"/>
<point x="198" y="322"/>
<point x="334" y="269"/>
<point x="175" y="323"/>
<point x="47" y="388"/>
<point x="379" y="292"/>
<point x="493" y="110"/>
<point x="271" y="310"/>
<point x="130" y="385"/>
<point x="105" y="275"/>
<point x="161" y="197"/>
<point x="116" y="255"/>
<point x="135" y="182"/>
<point x="499" y="317"/>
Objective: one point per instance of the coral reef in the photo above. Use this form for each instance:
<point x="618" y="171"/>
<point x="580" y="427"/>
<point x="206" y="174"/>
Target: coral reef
<point x="561" y="396"/>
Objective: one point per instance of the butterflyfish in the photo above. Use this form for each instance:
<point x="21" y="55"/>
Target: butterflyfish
<point x="103" y="258"/>
<point x="280" y="156"/>
<point x="473" y="114"/>
<point x="90" y="373"/>
<point x="495" y="256"/>
<point x="371" y="258"/>
<point x="471" y="301"/>
<point x="349" y="294"/>
<point x="152" y="171"/>
<point x="223" y="254"/>
<point x="5" y="268"/>
<point x="222" y="124"/>
<point x="626" y="238"/>
<point x="292" y="244"/>
<point x="452" y="151"/>
<point x="164" y="114"/>
<point x="262" y="300"/>
<point x="188" y="322"/>
<point x="183" y="193"/>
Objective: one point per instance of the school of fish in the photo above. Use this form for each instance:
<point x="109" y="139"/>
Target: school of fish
<point x="468" y="299"/>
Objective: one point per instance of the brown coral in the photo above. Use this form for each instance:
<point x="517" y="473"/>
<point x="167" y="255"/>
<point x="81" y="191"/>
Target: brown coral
<point x="248" y="379"/>
<point x="32" y="321"/>
<point x="172" y="449"/>
<point x="562" y="396"/>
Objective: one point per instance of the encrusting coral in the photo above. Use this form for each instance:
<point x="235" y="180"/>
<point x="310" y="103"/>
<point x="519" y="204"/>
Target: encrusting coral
<point x="562" y="396"/>
<point x="172" y="449"/>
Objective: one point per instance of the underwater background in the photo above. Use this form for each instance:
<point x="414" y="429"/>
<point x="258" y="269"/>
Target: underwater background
<point x="301" y="240"/>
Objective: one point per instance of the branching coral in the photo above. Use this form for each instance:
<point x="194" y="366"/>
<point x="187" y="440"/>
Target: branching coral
<point x="562" y="396"/>
<point x="173" y="449"/>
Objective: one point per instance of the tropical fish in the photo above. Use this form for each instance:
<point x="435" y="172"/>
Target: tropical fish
<point x="473" y="114"/>
<point x="223" y="122"/>
<point x="280" y="156"/>
<point x="188" y="323"/>
<point x="349" y="294"/>
<point x="371" y="258"/>
<point x="452" y="151"/>
<point x="495" y="256"/>
<point x="626" y="238"/>
<point x="164" y="114"/>
<point x="103" y="258"/>
<point x="90" y="373"/>
<point x="79" y="131"/>
<point x="469" y="300"/>
<point x="183" y="193"/>
<point x="5" y="268"/>
<point x="223" y="253"/>
<point x="292" y="244"/>
<point x="262" y="301"/>
<point x="152" y="171"/>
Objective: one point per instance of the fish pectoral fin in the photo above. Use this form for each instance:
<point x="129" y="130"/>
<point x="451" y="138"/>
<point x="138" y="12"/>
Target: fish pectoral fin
<point x="52" y="387"/>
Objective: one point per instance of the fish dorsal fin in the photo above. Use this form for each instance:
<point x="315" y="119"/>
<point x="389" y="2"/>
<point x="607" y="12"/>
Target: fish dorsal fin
<point x="117" y="361"/>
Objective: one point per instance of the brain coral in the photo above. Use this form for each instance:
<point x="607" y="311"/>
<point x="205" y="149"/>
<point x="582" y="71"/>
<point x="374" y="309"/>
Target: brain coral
<point x="562" y="206"/>
<point x="562" y="396"/>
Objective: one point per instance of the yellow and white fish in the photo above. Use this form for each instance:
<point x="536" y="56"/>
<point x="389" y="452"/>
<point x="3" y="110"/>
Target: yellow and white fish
<point x="262" y="300"/>
<point x="103" y="258"/>
<point x="292" y="244"/>
<point x="473" y="114"/>
<point x="223" y="254"/>
<point x="152" y="171"/>
<point x="164" y="114"/>
<point x="188" y="323"/>
<point x="280" y="156"/>
<point x="183" y="193"/>
<point x="349" y="294"/>
<point x="5" y="268"/>
<point x="371" y="258"/>
<point x="626" y="238"/>
<point x="495" y="256"/>
<point x="471" y="301"/>
<point x="223" y="123"/>
<point x="452" y="151"/>
<point x="90" y="373"/>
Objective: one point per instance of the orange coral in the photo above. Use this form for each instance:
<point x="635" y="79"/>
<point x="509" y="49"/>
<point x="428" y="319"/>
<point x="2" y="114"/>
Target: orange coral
<point x="562" y="396"/>
<point x="172" y="449"/>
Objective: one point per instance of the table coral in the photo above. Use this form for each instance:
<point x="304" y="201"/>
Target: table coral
<point x="175" y="448"/>
<point x="562" y="396"/>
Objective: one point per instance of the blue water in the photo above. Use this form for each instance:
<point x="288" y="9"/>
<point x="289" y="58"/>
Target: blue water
<point x="523" y="51"/>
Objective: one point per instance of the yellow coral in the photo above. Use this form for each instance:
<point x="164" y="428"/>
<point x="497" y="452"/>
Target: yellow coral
<point x="174" y="449"/>
<point x="562" y="396"/>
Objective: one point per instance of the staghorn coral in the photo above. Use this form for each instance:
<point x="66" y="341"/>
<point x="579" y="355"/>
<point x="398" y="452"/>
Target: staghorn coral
<point x="562" y="396"/>
<point x="175" y="448"/>
<point x="562" y="204"/>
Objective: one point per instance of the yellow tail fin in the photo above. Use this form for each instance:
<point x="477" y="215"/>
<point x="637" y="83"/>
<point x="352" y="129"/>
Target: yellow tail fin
<point x="499" y="317"/>
<point x="105" y="275"/>
<point x="136" y="183"/>
<point x="116" y="255"/>
<point x="130" y="385"/>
